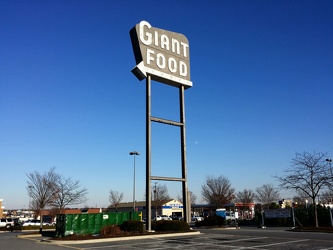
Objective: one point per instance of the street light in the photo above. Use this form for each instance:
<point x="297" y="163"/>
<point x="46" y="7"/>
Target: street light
<point x="30" y="187"/>
<point x="134" y="153"/>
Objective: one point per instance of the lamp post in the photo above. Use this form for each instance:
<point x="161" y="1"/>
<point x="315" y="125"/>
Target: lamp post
<point x="262" y="217"/>
<point x="134" y="153"/>
<point x="30" y="188"/>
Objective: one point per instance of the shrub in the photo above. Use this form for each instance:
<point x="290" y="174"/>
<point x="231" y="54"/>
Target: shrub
<point x="11" y="228"/>
<point x="16" y="228"/>
<point x="132" y="226"/>
<point x="110" y="230"/>
<point x="170" y="225"/>
<point x="212" y="221"/>
<point x="36" y="227"/>
<point x="253" y="222"/>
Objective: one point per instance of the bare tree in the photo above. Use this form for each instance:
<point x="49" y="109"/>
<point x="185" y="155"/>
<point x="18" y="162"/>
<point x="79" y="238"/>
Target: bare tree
<point x="67" y="192"/>
<point x="160" y="196"/>
<point x="35" y="208"/>
<point x="245" y="197"/>
<point x="267" y="194"/>
<point x="115" y="198"/>
<point x="217" y="191"/>
<point x="41" y="187"/>
<point x="308" y="173"/>
<point x="192" y="196"/>
<point x="301" y="199"/>
<point x="327" y="197"/>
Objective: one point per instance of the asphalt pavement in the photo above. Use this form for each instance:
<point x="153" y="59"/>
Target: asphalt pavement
<point x="213" y="238"/>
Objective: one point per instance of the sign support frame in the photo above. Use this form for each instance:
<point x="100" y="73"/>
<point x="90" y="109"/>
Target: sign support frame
<point x="163" y="56"/>
<point x="149" y="177"/>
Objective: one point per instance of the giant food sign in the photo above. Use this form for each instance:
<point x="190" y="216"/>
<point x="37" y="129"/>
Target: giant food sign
<point x="163" y="54"/>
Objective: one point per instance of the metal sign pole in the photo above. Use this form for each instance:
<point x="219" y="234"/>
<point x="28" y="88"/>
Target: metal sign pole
<point x="186" y="203"/>
<point x="148" y="153"/>
<point x="176" y="73"/>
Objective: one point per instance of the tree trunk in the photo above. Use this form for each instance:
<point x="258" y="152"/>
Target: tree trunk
<point x="315" y="210"/>
<point x="41" y="222"/>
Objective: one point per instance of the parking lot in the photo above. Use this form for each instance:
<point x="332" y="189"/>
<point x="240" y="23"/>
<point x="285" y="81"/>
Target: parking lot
<point x="251" y="238"/>
<point x="204" y="242"/>
<point x="245" y="238"/>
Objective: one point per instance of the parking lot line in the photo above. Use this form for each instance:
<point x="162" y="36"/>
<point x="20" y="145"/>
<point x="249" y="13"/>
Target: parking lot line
<point x="247" y="239"/>
<point x="273" y="244"/>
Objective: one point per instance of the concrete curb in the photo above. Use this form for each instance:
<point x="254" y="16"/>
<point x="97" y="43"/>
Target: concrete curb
<point x="29" y="235"/>
<point x="225" y="228"/>
<point x="73" y="242"/>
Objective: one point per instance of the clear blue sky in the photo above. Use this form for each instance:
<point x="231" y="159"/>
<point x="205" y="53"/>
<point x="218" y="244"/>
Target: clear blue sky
<point x="262" y="74"/>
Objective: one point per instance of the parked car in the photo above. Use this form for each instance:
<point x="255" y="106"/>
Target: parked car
<point x="175" y="217"/>
<point x="162" y="217"/>
<point x="197" y="218"/>
<point x="6" y="222"/>
<point x="49" y="223"/>
<point x="165" y="217"/>
<point x="37" y="223"/>
<point x="158" y="217"/>
<point x="31" y="223"/>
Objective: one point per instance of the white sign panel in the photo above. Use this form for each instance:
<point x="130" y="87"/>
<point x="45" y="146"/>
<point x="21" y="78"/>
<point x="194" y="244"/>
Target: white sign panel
<point x="163" y="54"/>
<point x="277" y="213"/>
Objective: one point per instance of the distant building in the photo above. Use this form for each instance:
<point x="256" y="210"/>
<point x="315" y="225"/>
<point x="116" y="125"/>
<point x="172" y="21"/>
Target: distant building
<point x="82" y="211"/>
<point x="244" y="211"/>
<point x="172" y="207"/>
